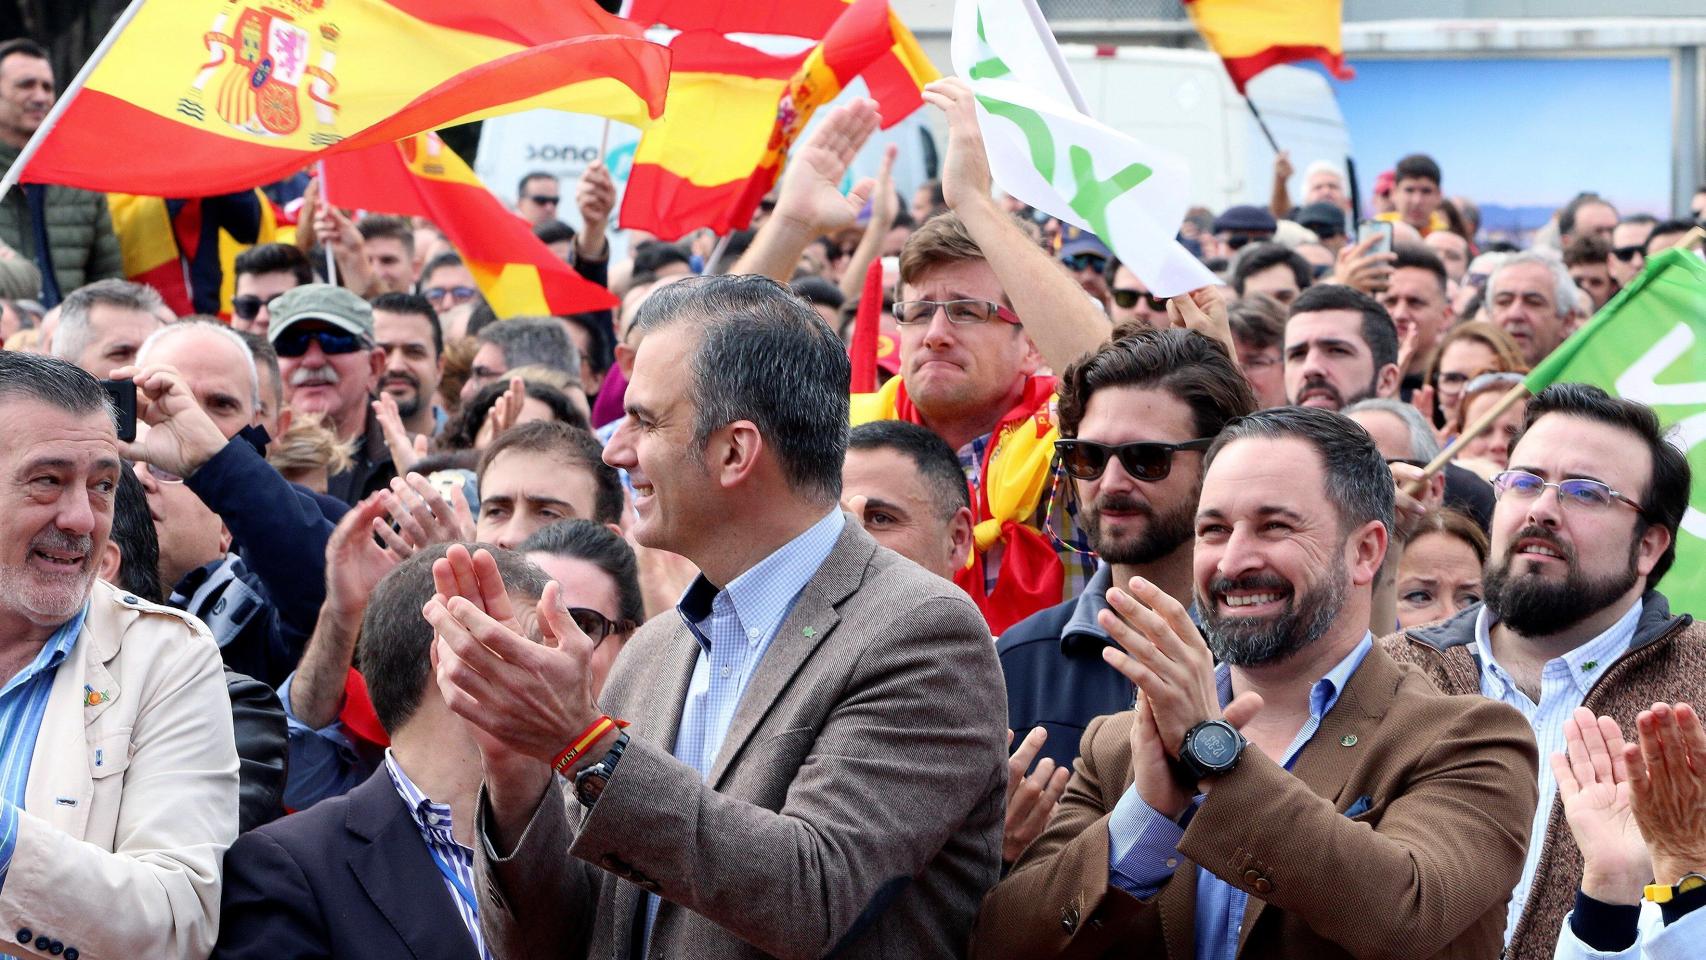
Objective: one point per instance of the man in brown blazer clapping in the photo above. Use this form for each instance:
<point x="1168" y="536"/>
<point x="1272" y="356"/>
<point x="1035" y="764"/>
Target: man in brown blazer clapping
<point x="1309" y="797"/>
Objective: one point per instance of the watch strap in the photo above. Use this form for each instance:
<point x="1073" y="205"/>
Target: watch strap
<point x="1662" y="893"/>
<point x="589" y="783"/>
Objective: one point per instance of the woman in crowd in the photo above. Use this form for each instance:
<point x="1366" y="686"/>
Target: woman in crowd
<point x="1440" y="573"/>
<point x="1488" y="452"/>
<point x="1465" y="352"/>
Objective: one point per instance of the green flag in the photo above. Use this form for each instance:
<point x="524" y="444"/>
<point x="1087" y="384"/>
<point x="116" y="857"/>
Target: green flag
<point x="1643" y="346"/>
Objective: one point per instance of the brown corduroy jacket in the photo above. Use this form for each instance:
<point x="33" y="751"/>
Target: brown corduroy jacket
<point x="1422" y="868"/>
<point x="1666" y="661"/>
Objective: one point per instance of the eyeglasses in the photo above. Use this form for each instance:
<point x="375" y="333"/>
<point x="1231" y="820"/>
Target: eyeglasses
<point x="1628" y="253"/>
<point x="1241" y="240"/>
<point x="163" y="476"/>
<point x="596" y="625"/>
<point x="1145" y="460"/>
<point x="1079" y="262"/>
<point x="1496" y="379"/>
<point x="247" y="307"/>
<point x="454" y="294"/>
<point x="1580" y="492"/>
<point x="545" y="201"/>
<point x="1126" y="299"/>
<point x="294" y="341"/>
<point x="1320" y="270"/>
<point x="914" y="313"/>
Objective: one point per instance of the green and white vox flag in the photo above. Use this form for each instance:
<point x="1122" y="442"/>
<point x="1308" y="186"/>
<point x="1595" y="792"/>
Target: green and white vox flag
<point x="1046" y="152"/>
<point x="1647" y="345"/>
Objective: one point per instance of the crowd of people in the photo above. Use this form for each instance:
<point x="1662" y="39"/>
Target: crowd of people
<point x="359" y="621"/>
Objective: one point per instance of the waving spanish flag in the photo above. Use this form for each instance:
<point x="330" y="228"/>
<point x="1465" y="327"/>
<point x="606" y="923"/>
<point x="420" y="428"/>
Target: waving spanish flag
<point x="733" y="112"/>
<point x="421" y="177"/>
<point x="794" y="18"/>
<point x="1253" y="35"/>
<point x="221" y="95"/>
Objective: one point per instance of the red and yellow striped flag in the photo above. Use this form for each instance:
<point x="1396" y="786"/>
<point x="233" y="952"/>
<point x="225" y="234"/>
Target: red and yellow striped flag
<point x="1253" y="35"/>
<point x="794" y="18"/>
<point x="733" y="112"/>
<point x="214" y="96"/>
<point x="421" y="177"/>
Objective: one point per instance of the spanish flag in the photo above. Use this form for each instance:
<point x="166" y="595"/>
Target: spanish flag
<point x="216" y="96"/>
<point x="421" y="177"/>
<point x="733" y="112"/>
<point x="793" y="18"/>
<point x="1253" y="35"/>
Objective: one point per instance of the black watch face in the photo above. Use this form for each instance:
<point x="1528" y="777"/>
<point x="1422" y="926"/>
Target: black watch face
<point x="1214" y="746"/>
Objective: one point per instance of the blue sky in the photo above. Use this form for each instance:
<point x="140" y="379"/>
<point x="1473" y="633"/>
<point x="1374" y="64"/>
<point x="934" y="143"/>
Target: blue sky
<point x="1519" y="132"/>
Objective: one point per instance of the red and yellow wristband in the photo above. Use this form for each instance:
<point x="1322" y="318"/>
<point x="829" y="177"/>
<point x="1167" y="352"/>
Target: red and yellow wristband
<point x="579" y="745"/>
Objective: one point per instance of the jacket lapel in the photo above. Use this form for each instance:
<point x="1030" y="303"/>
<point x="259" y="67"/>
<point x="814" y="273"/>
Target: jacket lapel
<point x="391" y="862"/>
<point x="807" y="625"/>
<point x="61" y="782"/>
<point x="1347" y="733"/>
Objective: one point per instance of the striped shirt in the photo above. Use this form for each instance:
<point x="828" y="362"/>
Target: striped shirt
<point x="23" y="703"/>
<point x="455" y="862"/>
<point x="734" y="627"/>
<point x="1564" y="684"/>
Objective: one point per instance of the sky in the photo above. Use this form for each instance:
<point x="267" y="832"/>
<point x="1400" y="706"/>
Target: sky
<point x="1519" y="132"/>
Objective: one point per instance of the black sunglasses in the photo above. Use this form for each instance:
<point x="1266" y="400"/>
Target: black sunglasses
<point x="544" y="201"/>
<point x="596" y="625"/>
<point x="294" y="341"/>
<point x="247" y="307"/>
<point x="1085" y="261"/>
<point x="1126" y="299"/>
<point x="1628" y="253"/>
<point x="1144" y="460"/>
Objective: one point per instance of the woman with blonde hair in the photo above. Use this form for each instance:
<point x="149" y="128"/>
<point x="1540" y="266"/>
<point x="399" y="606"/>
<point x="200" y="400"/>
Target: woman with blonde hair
<point x="1464" y="353"/>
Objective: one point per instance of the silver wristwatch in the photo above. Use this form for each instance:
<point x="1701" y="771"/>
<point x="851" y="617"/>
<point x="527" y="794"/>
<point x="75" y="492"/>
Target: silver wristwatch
<point x="590" y="782"/>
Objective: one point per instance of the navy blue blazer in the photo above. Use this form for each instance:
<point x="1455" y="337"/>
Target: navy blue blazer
<point x="348" y="877"/>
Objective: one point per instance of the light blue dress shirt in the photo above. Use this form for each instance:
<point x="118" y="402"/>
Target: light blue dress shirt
<point x="1143" y="843"/>
<point x="23" y="703"/>
<point x="1564" y="684"/>
<point x="454" y="861"/>
<point x="1654" y="941"/>
<point x="734" y="627"/>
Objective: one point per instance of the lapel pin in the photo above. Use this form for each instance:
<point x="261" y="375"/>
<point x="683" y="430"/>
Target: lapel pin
<point x="93" y="697"/>
<point x="809" y="632"/>
<point x="1348" y="740"/>
<point x="1588" y="667"/>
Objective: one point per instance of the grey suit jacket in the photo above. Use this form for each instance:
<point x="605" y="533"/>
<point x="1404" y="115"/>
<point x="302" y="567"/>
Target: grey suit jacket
<point x="855" y="808"/>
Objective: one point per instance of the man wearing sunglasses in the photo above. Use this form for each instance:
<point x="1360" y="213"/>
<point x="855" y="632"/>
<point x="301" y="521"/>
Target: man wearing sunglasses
<point x="1629" y="247"/>
<point x="386" y="869"/>
<point x="538" y="197"/>
<point x="1135" y="418"/>
<point x="1585" y="524"/>
<point x="331" y="367"/>
<point x="1086" y="258"/>
<point x="1129" y="301"/>
<point x="262" y="273"/>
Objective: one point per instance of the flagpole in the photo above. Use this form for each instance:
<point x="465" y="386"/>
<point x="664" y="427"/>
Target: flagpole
<point x="604" y="139"/>
<point x="331" y="258"/>
<point x="64" y="101"/>
<point x="1470" y="432"/>
<point x="718" y="251"/>
<point x="1261" y="123"/>
<point x="1040" y="23"/>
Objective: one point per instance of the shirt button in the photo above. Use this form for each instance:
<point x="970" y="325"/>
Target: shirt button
<point x="1172" y="861"/>
<point x="725" y="673"/>
<point x="752" y="634"/>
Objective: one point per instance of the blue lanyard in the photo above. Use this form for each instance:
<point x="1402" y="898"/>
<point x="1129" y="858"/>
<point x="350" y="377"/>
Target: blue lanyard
<point x="450" y="877"/>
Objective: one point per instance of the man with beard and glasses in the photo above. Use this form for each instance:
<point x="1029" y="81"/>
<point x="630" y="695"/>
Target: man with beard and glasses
<point x="1341" y="346"/>
<point x="118" y="768"/>
<point x="1585" y="525"/>
<point x="1309" y="797"/>
<point x="405" y="326"/>
<point x="1135" y="417"/>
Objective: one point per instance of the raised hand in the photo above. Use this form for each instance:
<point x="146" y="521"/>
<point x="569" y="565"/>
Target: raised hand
<point x="1368" y="272"/>
<point x="1667" y="776"/>
<point x="1593" y="782"/>
<point x="595" y="196"/>
<point x="406" y="451"/>
<point x="422" y="516"/>
<point x="810" y="198"/>
<point x="1204" y="310"/>
<point x="181" y="436"/>
<point x="965" y="170"/>
<point x="354" y="562"/>
<point x="506" y="410"/>
<point x="1030" y="799"/>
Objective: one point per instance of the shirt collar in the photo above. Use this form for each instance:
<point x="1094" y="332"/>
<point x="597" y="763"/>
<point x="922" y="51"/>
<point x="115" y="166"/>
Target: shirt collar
<point x="52" y="653"/>
<point x="428" y="814"/>
<point x="763" y="594"/>
<point x="1583" y="665"/>
<point x="1325" y="693"/>
<point x="1082" y="634"/>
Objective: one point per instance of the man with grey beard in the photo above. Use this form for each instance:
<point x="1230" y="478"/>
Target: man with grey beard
<point x="1585" y="525"/>
<point x="1309" y="797"/>
<point x="118" y="769"/>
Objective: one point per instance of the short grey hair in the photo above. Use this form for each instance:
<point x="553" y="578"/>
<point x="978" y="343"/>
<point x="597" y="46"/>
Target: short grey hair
<point x="74" y="332"/>
<point x="1359" y="483"/>
<point x="217" y="329"/>
<point x="49" y="380"/>
<point x="1424" y="445"/>
<point x="1323" y="166"/>
<point x="534" y="341"/>
<point x="1564" y="288"/>
<point x="765" y="356"/>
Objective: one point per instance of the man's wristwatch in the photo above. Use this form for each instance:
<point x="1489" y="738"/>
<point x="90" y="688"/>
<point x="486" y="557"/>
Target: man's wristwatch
<point x="590" y="782"/>
<point x="1210" y="748"/>
<point x="1665" y="893"/>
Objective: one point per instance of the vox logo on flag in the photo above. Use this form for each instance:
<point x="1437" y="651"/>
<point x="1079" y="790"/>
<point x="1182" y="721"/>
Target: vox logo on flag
<point x="258" y="59"/>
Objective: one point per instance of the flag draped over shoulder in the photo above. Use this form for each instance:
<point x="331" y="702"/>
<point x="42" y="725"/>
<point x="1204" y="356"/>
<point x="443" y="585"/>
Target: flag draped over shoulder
<point x="733" y="112"/>
<point x="1046" y="153"/>
<point x="422" y="177"/>
<point x="1645" y="345"/>
<point x="1253" y="35"/>
<point x="203" y="97"/>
